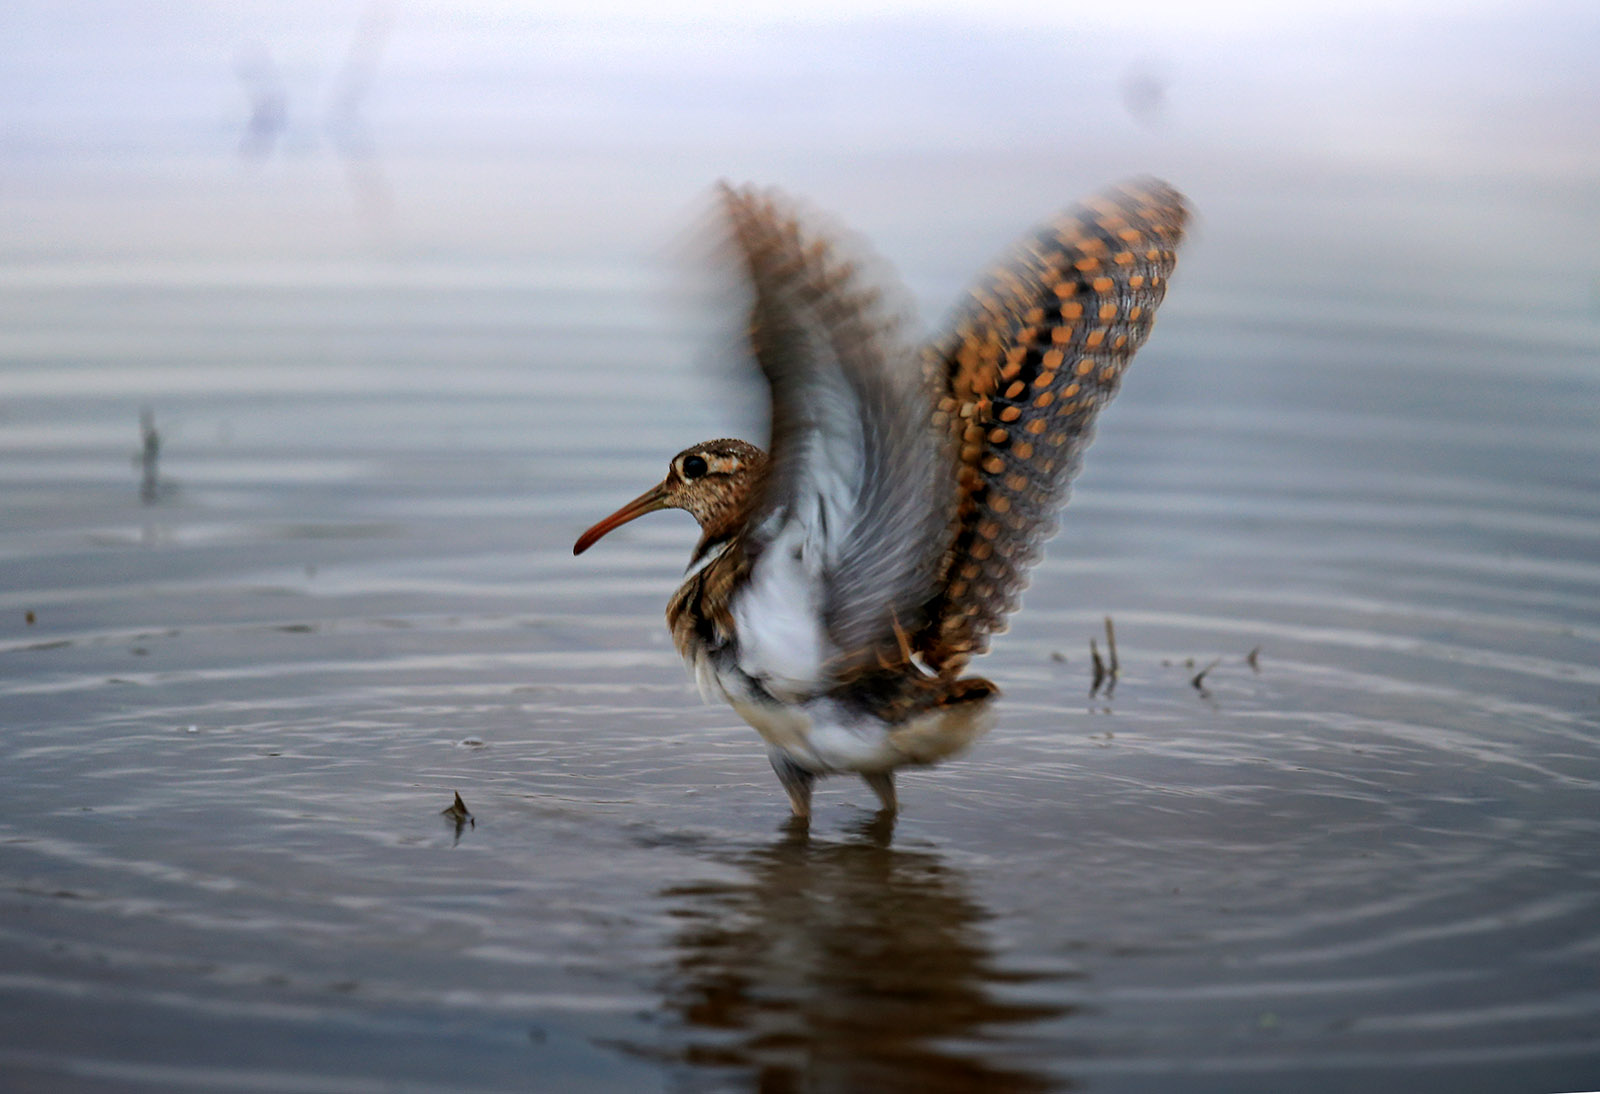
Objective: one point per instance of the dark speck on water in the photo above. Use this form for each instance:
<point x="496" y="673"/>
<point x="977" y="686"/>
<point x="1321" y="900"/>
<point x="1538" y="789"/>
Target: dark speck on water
<point x="1363" y="445"/>
<point x="457" y="812"/>
<point x="1198" y="680"/>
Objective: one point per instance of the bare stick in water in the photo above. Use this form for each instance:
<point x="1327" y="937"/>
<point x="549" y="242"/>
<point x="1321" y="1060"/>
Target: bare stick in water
<point x="149" y="457"/>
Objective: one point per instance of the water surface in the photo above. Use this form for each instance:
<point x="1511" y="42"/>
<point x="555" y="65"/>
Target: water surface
<point x="1359" y="853"/>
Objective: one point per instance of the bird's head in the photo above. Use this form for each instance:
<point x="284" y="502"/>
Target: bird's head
<point x="715" y="481"/>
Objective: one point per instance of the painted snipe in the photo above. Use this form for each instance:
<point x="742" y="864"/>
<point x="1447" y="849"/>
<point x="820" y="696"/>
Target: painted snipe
<point x="845" y="576"/>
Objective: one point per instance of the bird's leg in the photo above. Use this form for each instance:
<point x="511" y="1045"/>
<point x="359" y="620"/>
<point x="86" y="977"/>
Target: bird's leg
<point x="796" y="780"/>
<point x="882" y="783"/>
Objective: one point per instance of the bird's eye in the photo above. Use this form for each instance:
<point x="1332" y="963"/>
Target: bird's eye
<point x="693" y="467"/>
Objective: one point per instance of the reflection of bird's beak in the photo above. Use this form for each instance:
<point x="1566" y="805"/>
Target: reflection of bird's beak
<point x="647" y="502"/>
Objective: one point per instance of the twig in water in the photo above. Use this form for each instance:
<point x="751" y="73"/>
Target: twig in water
<point x="149" y="456"/>
<point x="1198" y="682"/>
<point x="1253" y="659"/>
<point x="1099" y="669"/>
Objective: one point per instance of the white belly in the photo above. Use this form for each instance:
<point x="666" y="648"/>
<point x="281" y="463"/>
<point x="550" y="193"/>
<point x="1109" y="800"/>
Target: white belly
<point x="823" y="737"/>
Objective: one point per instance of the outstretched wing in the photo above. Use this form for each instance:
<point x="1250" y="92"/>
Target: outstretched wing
<point x="1036" y="353"/>
<point x="850" y="533"/>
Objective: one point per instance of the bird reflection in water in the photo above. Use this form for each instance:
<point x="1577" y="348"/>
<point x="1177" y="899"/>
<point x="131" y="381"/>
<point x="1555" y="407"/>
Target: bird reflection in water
<point x="846" y="966"/>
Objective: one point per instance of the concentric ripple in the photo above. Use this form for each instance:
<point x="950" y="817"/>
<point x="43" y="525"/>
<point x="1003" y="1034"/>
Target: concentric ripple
<point x="1332" y="826"/>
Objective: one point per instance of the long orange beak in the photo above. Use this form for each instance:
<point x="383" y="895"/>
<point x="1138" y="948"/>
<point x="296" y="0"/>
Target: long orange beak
<point x="647" y="502"/>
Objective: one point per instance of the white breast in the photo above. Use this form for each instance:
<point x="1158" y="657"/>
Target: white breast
<point x="777" y="616"/>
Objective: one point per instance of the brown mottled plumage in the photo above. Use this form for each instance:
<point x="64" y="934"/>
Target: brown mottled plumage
<point x="851" y="575"/>
<point x="1032" y="359"/>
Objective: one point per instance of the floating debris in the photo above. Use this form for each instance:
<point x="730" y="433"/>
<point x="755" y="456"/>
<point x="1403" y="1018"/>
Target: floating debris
<point x="29" y="618"/>
<point x="1105" y="671"/>
<point x="149" y="458"/>
<point x="1198" y="681"/>
<point x="1253" y="659"/>
<point x="458" y="812"/>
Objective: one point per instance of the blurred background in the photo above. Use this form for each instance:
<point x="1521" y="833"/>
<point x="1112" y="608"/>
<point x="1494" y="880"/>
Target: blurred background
<point x="1378" y="172"/>
<point x="229" y="138"/>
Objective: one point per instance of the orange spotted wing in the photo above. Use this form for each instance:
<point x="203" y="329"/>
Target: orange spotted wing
<point x="1028" y="364"/>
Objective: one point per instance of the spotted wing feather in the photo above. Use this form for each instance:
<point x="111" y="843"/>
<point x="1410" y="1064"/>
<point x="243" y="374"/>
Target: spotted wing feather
<point x="1036" y="353"/>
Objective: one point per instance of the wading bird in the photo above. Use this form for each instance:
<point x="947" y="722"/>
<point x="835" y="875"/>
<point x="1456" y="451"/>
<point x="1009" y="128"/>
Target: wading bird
<point x="845" y="576"/>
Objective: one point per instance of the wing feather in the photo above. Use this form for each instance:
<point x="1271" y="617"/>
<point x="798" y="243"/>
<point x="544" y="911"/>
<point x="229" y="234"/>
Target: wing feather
<point x="1036" y="353"/>
<point x="854" y="520"/>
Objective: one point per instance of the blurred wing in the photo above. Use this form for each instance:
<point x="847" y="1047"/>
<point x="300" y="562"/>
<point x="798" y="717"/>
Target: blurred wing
<point x="850" y="533"/>
<point x="1033" y="357"/>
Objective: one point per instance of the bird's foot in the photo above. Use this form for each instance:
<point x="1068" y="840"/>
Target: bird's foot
<point x="796" y="781"/>
<point x="882" y="784"/>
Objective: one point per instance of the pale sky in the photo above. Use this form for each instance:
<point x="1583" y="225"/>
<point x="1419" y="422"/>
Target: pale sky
<point x="123" y="56"/>
<point x="451" y="95"/>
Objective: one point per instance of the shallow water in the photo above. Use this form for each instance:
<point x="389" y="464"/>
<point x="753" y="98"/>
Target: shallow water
<point x="1362" y="859"/>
